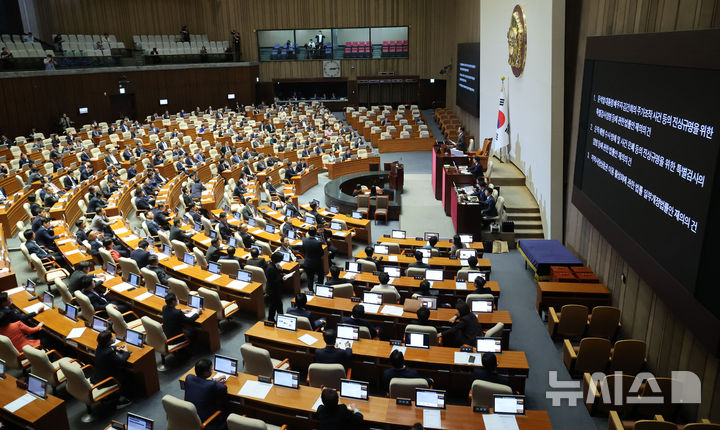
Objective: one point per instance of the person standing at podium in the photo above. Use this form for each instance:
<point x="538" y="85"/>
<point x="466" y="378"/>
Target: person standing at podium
<point x="460" y="144"/>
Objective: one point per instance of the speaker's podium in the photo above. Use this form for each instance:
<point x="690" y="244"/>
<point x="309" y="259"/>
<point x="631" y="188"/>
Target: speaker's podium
<point x="396" y="178"/>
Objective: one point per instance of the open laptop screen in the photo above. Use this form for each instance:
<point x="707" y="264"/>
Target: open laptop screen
<point x="507" y="404"/>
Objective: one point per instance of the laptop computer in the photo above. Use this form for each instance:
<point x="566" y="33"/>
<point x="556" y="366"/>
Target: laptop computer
<point x="356" y="215"/>
<point x="136" y="422"/>
<point x="37" y="386"/>
<point x="287" y="322"/>
<point x="425" y="252"/>
<point x="244" y="276"/>
<point x="427" y="398"/>
<point x="481" y="306"/>
<point x="466" y="238"/>
<point x="71" y="311"/>
<point x="226" y="366"/>
<point x="398" y="234"/>
<point x="161" y="291"/>
<point x="357" y="390"/>
<point x="133" y="279"/>
<point x="417" y="340"/>
<point x="428" y="235"/>
<point x="134" y="338"/>
<point x="48" y="299"/>
<point x="213" y="267"/>
<point x="286" y="378"/>
<point x="110" y="269"/>
<point x="100" y="324"/>
<point x="309" y="219"/>
<point x="508" y="404"/>
<point x="195" y="302"/>
<point x="189" y="259"/>
<point x="352" y="267"/>
<point x="381" y="249"/>
<point x="472" y="275"/>
<point x="434" y="275"/>
<point x="335" y="226"/>
<point x="488" y="344"/>
<point x="372" y="298"/>
<point x="464" y="254"/>
<point x="429" y="302"/>
<point x="324" y="291"/>
<point x="270" y="228"/>
<point x="348" y="331"/>
<point x="334" y="209"/>
<point x="393" y="272"/>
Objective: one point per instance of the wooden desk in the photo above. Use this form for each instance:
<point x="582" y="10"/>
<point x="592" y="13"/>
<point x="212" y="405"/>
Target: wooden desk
<point x="68" y="246"/>
<point x="466" y="216"/>
<point x="371" y="358"/>
<point x="451" y="177"/>
<point x="412" y="144"/>
<point x="7" y="274"/>
<point x="394" y="327"/>
<point x="407" y="285"/>
<point x="207" y="322"/>
<point x="294" y="408"/>
<point x="67" y="207"/>
<point x="557" y="294"/>
<point x="342" y="168"/>
<point x="362" y="227"/>
<point x="142" y="360"/>
<point x="442" y="245"/>
<point x="439" y="160"/>
<point x="446" y="263"/>
<point x="12" y="212"/>
<point x="40" y="414"/>
<point x="305" y="181"/>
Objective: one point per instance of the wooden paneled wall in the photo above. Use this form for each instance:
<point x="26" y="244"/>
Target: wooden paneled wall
<point x="428" y="38"/>
<point x="671" y="346"/>
<point x="464" y="24"/>
<point x="38" y="101"/>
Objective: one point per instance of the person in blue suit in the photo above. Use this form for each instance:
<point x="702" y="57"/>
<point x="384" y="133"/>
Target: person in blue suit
<point x="206" y="393"/>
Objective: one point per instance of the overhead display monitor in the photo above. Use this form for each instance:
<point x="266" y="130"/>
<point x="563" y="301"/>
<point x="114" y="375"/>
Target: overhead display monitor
<point x="467" y="92"/>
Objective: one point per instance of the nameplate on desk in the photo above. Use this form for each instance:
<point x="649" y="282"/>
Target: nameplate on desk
<point x="269" y="323"/>
<point x="466" y="349"/>
<point x="396" y="343"/>
<point x="453" y="257"/>
<point x="213" y="277"/>
<point x="392" y="258"/>
<point x="123" y="286"/>
<point x="403" y="402"/>
<point x="264" y="379"/>
<point x="355" y="299"/>
<point x="237" y="285"/>
<point x="375" y="273"/>
<point x="64" y="241"/>
<point x="180" y="267"/>
<point x="460" y="285"/>
<point x="143" y="296"/>
<point x="72" y="251"/>
<point x="481" y="409"/>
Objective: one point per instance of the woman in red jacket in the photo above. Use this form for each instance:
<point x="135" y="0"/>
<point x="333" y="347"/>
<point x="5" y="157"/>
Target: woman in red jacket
<point x="18" y="331"/>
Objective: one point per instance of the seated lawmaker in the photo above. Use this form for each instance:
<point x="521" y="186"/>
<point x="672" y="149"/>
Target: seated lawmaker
<point x="334" y="278"/>
<point x="465" y="327"/>
<point x="333" y="415"/>
<point x="488" y="372"/>
<point x="112" y="362"/>
<point x="299" y="310"/>
<point x="205" y="393"/>
<point x="356" y="318"/>
<point x="398" y="370"/>
<point x="17" y="331"/>
<point x="174" y="319"/>
<point x="489" y="210"/>
<point x="330" y="354"/>
<point x="480" y="287"/>
<point x="418" y="261"/>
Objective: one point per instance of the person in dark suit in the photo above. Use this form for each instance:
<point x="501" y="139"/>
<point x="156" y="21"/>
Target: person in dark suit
<point x="80" y="233"/>
<point x="488" y="372"/>
<point x="153" y="227"/>
<point x="489" y="210"/>
<point x="461" y="144"/>
<point x="111" y="362"/>
<point x="231" y="256"/>
<point x="142" y="202"/>
<point x="247" y="239"/>
<point x="34" y="248"/>
<point x="206" y="393"/>
<point x="174" y="319"/>
<point x="274" y="288"/>
<point x="34" y="207"/>
<point x="422" y="316"/>
<point x="313" y="264"/>
<point x="159" y="271"/>
<point x="46" y="237"/>
<point x="290" y="205"/>
<point x="74" y="282"/>
<point x="333" y="415"/>
<point x="398" y="370"/>
<point x="192" y="213"/>
<point x="213" y="252"/>
<point x="196" y="189"/>
<point x="330" y="354"/>
<point x="418" y="261"/>
<point x="480" y="287"/>
<point x="226" y="230"/>
<point x="477" y="168"/>
<point x="357" y="318"/>
<point x="369" y="251"/>
<point x="299" y="310"/>
<point x="98" y="300"/>
<point x="13" y="314"/>
<point x="69" y="182"/>
<point x="111" y="160"/>
<point x="176" y="233"/>
<point x="465" y="327"/>
<point x="141" y="254"/>
<point x="256" y="260"/>
<point x="96" y="201"/>
<point x="335" y="276"/>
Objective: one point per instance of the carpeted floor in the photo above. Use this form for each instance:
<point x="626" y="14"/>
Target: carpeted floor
<point x="420" y="213"/>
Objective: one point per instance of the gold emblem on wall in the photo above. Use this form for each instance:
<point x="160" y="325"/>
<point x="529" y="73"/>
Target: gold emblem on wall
<point x="517" y="41"/>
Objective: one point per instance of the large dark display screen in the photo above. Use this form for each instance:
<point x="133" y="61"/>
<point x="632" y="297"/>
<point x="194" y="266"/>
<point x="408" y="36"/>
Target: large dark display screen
<point x="646" y="162"/>
<point x="467" y="94"/>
